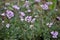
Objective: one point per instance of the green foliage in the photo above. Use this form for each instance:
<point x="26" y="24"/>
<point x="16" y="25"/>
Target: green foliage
<point x="19" y="30"/>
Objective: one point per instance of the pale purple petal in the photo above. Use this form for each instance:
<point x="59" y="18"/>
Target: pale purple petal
<point x="22" y="13"/>
<point x="52" y="32"/>
<point x="54" y="36"/>
<point x="44" y="6"/>
<point x="16" y="7"/>
<point x="55" y="33"/>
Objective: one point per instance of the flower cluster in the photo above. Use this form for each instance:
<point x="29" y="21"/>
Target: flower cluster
<point x="9" y="14"/>
<point x="31" y="14"/>
<point x="28" y="18"/>
<point x="22" y="15"/>
<point x="54" y="34"/>
<point x="26" y="4"/>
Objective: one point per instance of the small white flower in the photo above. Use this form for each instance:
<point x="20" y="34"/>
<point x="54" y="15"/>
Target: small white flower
<point x="28" y="10"/>
<point x="8" y="25"/>
<point x="22" y="19"/>
<point x="5" y="7"/>
<point x="56" y="9"/>
<point x="3" y="14"/>
<point x="49" y="24"/>
<point x="2" y="21"/>
<point x="31" y="26"/>
<point x="7" y="4"/>
<point x="36" y="16"/>
<point x="22" y="13"/>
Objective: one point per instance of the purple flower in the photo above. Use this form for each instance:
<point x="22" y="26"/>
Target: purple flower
<point x="26" y="4"/>
<point x="22" y="13"/>
<point x="54" y="34"/>
<point x="9" y="14"/>
<point x="44" y="6"/>
<point x="28" y="18"/>
<point x="16" y="7"/>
